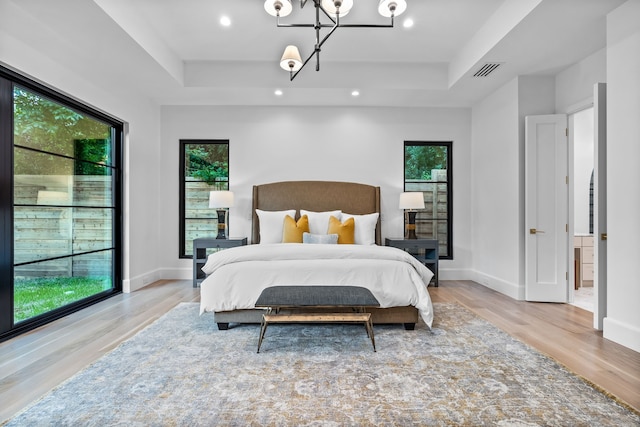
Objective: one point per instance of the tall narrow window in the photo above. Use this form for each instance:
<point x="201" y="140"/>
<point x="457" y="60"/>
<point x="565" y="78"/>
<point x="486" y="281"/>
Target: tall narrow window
<point x="428" y="168"/>
<point x="204" y="167"/>
<point x="64" y="205"/>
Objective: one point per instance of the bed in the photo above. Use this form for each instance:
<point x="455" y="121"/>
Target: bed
<point x="237" y="276"/>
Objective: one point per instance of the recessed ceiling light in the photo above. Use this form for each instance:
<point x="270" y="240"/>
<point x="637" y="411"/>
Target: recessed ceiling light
<point x="278" y="92"/>
<point x="355" y="93"/>
<point x="225" y="21"/>
<point x="408" y="23"/>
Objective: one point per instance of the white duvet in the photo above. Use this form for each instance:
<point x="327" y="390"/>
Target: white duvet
<point x="238" y="275"/>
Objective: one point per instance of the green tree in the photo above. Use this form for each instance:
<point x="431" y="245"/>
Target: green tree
<point x="45" y="125"/>
<point x="419" y="160"/>
<point x="207" y="162"/>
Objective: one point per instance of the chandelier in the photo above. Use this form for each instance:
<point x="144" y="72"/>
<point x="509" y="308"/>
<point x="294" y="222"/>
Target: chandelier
<point x="333" y="10"/>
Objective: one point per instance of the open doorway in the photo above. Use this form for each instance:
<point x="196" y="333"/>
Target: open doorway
<point x="582" y="126"/>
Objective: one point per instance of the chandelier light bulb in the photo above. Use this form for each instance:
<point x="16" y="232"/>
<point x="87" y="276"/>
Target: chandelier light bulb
<point x="280" y="8"/>
<point x="334" y="6"/>
<point x="389" y="8"/>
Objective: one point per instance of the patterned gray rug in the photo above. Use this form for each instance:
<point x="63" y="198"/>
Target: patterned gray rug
<point x="182" y="371"/>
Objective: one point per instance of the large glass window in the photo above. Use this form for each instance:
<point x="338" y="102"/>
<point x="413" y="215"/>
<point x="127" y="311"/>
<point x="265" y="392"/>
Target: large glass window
<point x="204" y="167"/>
<point x="63" y="205"/>
<point x="428" y="168"/>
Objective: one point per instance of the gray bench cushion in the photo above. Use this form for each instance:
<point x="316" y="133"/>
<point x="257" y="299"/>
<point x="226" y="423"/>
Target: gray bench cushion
<point x="318" y="296"/>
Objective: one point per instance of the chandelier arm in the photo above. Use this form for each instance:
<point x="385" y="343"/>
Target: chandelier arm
<point x="318" y="26"/>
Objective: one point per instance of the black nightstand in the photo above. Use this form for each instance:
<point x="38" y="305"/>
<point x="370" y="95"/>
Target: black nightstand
<point x="200" y="254"/>
<point x="424" y="250"/>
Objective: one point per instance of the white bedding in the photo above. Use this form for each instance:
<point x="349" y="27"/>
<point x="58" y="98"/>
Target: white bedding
<point x="238" y="275"/>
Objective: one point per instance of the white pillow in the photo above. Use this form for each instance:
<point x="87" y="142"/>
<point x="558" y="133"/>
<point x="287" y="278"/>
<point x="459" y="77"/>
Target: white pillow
<point x="365" y="233"/>
<point x="319" y="221"/>
<point x="272" y="224"/>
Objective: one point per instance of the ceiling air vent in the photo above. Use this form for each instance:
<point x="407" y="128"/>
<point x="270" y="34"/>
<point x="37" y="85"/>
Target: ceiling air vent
<point x="487" y="69"/>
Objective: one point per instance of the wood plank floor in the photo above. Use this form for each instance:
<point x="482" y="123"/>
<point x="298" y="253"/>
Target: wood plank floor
<point x="34" y="363"/>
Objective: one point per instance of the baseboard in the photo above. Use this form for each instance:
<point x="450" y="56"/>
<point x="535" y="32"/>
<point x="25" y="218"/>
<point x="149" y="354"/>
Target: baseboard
<point x="509" y="289"/>
<point x="455" y="274"/>
<point x="622" y="333"/>
<point x="176" y="273"/>
<point x="140" y="281"/>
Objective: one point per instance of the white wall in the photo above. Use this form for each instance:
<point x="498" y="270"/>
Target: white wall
<point x="269" y="144"/>
<point x="498" y="180"/>
<point x="22" y="50"/>
<point x="622" y="323"/>
<point x="574" y="85"/>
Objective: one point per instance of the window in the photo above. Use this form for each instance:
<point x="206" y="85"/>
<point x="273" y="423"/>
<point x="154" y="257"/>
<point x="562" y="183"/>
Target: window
<point x="60" y="203"/>
<point x="428" y="168"/>
<point x="204" y="167"/>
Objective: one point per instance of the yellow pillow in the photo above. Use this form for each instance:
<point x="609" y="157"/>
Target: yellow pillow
<point x="344" y="230"/>
<point x="292" y="231"/>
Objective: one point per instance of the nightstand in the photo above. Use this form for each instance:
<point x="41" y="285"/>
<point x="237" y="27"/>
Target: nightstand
<point x="424" y="250"/>
<point x="200" y="254"/>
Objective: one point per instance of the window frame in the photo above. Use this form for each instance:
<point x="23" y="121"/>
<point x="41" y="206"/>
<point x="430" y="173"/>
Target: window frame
<point x="449" y="146"/>
<point x="182" y="189"/>
<point x="8" y="79"/>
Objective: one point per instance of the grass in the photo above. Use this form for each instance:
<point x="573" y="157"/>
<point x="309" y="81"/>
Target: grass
<point x="33" y="297"/>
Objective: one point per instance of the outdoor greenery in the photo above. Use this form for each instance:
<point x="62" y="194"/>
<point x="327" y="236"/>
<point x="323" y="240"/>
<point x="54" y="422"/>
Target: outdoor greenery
<point x="207" y="162"/>
<point x="419" y="160"/>
<point x="35" y="296"/>
<point x="46" y="125"/>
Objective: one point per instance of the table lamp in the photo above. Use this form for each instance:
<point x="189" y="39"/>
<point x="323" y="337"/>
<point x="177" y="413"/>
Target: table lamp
<point x="221" y="201"/>
<point x="409" y="201"/>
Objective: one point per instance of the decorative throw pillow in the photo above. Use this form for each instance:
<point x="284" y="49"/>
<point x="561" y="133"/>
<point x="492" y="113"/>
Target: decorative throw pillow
<point x="344" y="230"/>
<point x="365" y="228"/>
<point x="272" y="224"/>
<point x="319" y="221"/>
<point x="324" y="239"/>
<point x="292" y="230"/>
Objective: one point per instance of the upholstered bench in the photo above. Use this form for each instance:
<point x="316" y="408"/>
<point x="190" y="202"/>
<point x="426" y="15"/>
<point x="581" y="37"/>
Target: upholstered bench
<point x="316" y="297"/>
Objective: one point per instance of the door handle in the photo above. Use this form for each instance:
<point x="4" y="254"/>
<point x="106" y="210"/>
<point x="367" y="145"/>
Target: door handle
<point x="603" y="236"/>
<point x="534" y="231"/>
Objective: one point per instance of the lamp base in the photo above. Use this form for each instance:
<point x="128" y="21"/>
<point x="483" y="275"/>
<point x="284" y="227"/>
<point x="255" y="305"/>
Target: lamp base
<point x="222" y="226"/>
<point x="410" y="230"/>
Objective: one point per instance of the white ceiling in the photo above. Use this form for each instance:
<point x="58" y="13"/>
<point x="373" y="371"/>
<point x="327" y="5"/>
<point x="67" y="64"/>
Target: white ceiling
<point x="177" y="52"/>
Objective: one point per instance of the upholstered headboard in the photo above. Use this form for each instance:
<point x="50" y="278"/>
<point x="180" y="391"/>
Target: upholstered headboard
<point x="317" y="196"/>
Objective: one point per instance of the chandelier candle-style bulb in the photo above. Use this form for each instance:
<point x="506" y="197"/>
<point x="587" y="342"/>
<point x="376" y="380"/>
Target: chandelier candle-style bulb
<point x="291" y="60"/>
<point x="280" y="8"/>
<point x="389" y="8"/>
<point x="333" y="6"/>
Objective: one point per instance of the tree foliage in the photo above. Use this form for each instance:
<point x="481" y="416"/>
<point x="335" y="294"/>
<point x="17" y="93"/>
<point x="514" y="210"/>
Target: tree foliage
<point x="207" y="162"/>
<point x="45" y="125"/>
<point x="419" y="160"/>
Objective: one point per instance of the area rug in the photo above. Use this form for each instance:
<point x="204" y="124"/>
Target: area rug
<point x="182" y="371"/>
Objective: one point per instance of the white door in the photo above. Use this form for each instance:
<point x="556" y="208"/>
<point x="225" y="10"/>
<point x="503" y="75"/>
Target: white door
<point x="600" y="205"/>
<point x="546" y="208"/>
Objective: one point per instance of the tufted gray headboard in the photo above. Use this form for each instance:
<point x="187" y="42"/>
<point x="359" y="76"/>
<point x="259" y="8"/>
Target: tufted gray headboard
<point x="318" y="196"/>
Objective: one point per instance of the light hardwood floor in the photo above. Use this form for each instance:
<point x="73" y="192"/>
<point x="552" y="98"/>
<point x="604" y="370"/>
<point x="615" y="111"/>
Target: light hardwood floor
<point x="34" y="363"/>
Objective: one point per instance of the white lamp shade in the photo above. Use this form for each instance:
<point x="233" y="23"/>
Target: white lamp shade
<point x="271" y="6"/>
<point x="411" y="200"/>
<point x="291" y="60"/>
<point x="220" y="199"/>
<point x="330" y="7"/>
<point x="387" y="8"/>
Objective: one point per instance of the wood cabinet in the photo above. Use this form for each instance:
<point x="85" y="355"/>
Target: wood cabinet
<point x="583" y="246"/>
<point x="202" y="247"/>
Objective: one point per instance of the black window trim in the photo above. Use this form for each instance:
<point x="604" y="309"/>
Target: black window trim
<point x="9" y="78"/>
<point x="449" y="145"/>
<point x="181" y="213"/>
